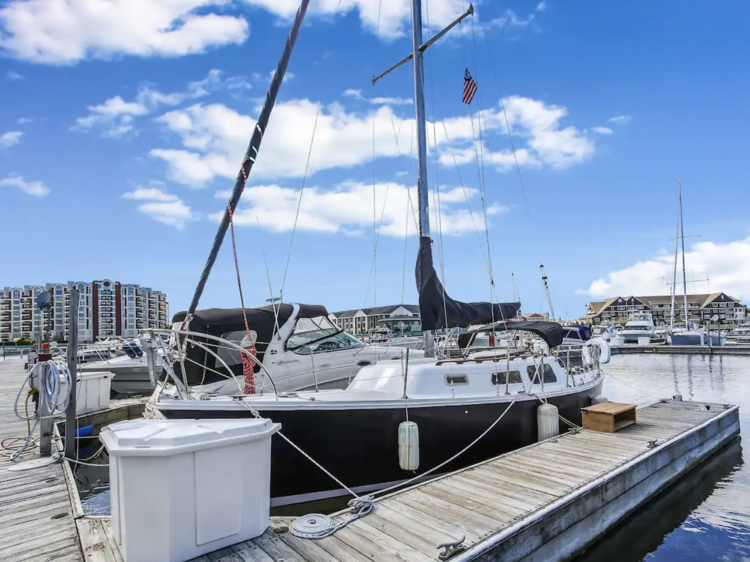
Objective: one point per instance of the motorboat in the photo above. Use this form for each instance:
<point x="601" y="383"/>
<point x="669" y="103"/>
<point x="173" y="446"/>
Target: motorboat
<point x="739" y="336"/>
<point x="354" y="431"/>
<point x="576" y="335"/>
<point x="639" y="325"/>
<point x="386" y="338"/>
<point x="297" y="343"/>
<point x="603" y="331"/>
<point x="130" y="370"/>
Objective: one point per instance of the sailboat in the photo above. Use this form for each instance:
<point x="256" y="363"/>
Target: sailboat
<point x="354" y="432"/>
<point x="687" y="332"/>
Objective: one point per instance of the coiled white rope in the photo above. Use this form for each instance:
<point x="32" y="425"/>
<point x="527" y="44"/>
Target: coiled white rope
<point x="316" y="526"/>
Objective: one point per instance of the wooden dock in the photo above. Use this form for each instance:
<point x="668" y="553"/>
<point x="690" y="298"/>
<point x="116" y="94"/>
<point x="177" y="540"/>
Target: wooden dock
<point x="627" y="349"/>
<point x="36" y="518"/>
<point x="547" y="501"/>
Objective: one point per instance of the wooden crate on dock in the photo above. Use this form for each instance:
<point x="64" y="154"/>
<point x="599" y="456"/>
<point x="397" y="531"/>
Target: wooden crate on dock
<point x="608" y="417"/>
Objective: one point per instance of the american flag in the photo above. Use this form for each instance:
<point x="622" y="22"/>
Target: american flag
<point x="470" y="87"/>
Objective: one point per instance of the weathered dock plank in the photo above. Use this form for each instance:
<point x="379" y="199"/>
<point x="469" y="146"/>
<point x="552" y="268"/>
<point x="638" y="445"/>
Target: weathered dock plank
<point x="36" y="519"/>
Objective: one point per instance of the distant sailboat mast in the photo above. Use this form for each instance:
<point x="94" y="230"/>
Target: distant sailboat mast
<point x="684" y="275"/>
<point x="674" y="274"/>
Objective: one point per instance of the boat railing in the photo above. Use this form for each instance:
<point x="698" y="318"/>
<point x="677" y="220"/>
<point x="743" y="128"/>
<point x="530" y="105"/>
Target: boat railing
<point x="152" y="343"/>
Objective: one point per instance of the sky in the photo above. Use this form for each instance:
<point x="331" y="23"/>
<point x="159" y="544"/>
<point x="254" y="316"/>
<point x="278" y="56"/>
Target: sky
<point x="123" y="124"/>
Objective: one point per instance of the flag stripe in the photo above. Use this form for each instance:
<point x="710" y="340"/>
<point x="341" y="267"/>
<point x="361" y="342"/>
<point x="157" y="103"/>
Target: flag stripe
<point x="470" y="88"/>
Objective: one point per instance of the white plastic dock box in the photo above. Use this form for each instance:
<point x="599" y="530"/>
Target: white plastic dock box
<point x="182" y="488"/>
<point x="92" y="392"/>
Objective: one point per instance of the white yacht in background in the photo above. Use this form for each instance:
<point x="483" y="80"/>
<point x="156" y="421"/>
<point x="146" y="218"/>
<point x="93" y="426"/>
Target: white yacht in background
<point x="639" y="325"/>
<point x="603" y="331"/>
<point x="739" y="336"/>
<point x="131" y="375"/>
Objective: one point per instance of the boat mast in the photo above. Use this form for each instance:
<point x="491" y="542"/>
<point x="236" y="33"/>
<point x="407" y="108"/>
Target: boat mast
<point x="546" y="288"/>
<point x="422" y="190"/>
<point x="250" y="155"/>
<point x="674" y="274"/>
<point x="684" y="275"/>
<point x="418" y="48"/>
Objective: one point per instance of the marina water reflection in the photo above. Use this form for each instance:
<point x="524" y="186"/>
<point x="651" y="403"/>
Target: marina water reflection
<point x="705" y="516"/>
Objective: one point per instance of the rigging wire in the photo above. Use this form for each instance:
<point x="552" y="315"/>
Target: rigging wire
<point x="436" y="192"/>
<point x="406" y="219"/>
<point x="505" y="116"/>
<point x="307" y="166"/>
<point x="268" y="276"/>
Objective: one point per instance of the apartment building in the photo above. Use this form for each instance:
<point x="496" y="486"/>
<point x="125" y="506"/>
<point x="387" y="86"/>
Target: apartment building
<point x="106" y="309"/>
<point x="701" y="308"/>
<point x="396" y="317"/>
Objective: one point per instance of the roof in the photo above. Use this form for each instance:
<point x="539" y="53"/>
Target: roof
<point x="345" y="313"/>
<point x="413" y="308"/>
<point x="703" y="299"/>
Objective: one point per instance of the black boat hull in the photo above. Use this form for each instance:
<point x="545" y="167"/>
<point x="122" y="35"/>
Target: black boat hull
<point x="360" y="446"/>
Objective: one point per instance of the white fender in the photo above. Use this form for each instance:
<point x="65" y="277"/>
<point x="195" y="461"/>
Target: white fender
<point x="605" y="353"/>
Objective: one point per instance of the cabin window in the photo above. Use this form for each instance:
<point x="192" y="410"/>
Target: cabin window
<point x="500" y="378"/>
<point x="547" y="372"/>
<point x="452" y="380"/>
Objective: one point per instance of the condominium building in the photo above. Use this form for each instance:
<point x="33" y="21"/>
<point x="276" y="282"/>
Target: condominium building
<point x="106" y="309"/>
<point x="396" y="317"/>
<point x="714" y="308"/>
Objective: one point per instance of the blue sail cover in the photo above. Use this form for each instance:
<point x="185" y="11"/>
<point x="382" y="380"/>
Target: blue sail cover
<point x="439" y="311"/>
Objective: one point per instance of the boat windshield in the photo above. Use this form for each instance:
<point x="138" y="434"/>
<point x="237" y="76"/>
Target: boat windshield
<point x="636" y="327"/>
<point x="319" y="334"/>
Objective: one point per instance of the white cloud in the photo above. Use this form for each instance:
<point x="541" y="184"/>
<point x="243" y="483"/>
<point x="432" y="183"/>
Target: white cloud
<point x="542" y="6"/>
<point x="162" y="207"/>
<point x="13" y="76"/>
<point x="115" y="116"/>
<point x="214" y="138"/>
<point x="238" y="83"/>
<point x="602" y="130"/>
<point x="175" y="213"/>
<point x="620" y="119"/>
<point x="391" y="18"/>
<point x="10" y="138"/>
<point x="511" y="19"/>
<point x="149" y="194"/>
<point x="287" y="76"/>
<point x="540" y="124"/>
<point x="357" y="95"/>
<point x="36" y="188"/>
<point x="67" y="31"/>
<point x="349" y="206"/>
<point x="24" y="120"/>
<point x="727" y="265"/>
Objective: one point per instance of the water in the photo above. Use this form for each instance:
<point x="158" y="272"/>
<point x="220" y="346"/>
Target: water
<point x="92" y="480"/>
<point x="704" y="517"/>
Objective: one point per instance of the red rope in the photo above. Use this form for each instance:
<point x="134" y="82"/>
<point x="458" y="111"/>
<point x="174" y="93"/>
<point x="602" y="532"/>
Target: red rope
<point x="248" y="363"/>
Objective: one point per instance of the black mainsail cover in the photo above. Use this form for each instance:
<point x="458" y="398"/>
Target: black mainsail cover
<point x="439" y="311"/>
